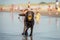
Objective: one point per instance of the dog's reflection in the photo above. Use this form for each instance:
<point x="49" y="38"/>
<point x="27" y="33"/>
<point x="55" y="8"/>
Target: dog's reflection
<point x="27" y="38"/>
<point x="31" y="38"/>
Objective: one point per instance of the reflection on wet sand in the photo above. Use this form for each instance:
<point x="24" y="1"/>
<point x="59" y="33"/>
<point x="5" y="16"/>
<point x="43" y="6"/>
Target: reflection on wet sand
<point x="27" y="38"/>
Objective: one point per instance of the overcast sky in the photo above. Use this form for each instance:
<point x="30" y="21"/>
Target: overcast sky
<point x="23" y="1"/>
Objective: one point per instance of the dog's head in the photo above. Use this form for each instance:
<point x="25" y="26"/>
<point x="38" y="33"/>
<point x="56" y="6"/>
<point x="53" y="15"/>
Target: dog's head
<point x="30" y="15"/>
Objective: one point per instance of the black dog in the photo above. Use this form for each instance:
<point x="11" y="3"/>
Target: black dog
<point x="29" y="21"/>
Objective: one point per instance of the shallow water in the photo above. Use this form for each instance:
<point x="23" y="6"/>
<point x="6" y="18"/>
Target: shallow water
<point x="11" y="29"/>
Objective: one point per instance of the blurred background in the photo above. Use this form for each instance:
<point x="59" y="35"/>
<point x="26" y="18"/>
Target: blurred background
<point x="11" y="27"/>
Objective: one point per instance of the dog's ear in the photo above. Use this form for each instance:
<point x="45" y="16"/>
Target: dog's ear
<point x="26" y="15"/>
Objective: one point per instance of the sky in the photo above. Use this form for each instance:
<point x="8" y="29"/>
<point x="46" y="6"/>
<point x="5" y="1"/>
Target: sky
<point x="23" y="1"/>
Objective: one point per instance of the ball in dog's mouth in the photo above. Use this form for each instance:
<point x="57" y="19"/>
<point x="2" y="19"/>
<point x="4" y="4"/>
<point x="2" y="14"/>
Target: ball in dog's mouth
<point x="29" y="18"/>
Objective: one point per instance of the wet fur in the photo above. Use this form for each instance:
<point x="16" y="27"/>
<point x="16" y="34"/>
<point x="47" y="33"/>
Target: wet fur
<point x="29" y="24"/>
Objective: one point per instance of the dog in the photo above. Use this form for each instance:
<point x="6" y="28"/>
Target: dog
<point x="29" y="22"/>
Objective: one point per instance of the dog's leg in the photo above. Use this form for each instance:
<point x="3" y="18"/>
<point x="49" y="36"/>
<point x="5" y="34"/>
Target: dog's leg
<point x="26" y="33"/>
<point x="24" y="28"/>
<point x="31" y="31"/>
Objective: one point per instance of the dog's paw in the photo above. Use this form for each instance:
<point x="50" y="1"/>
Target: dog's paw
<point x="23" y="33"/>
<point x="30" y="35"/>
<point x="26" y="34"/>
